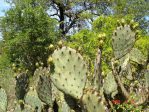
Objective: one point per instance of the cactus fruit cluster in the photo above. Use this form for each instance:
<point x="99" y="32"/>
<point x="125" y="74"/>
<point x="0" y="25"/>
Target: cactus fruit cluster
<point x="64" y="86"/>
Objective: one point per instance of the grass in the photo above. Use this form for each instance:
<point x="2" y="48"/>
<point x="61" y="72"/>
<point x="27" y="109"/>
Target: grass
<point x="7" y="82"/>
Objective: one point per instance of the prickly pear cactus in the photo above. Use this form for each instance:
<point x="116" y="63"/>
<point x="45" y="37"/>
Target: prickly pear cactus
<point x="146" y="75"/>
<point x="137" y="56"/>
<point x="44" y="89"/>
<point x="33" y="100"/>
<point x="110" y="85"/>
<point x="62" y="104"/>
<point x="123" y="62"/>
<point x="123" y="40"/>
<point x="97" y="71"/>
<point x="70" y="72"/>
<point x="3" y="100"/>
<point x="92" y="101"/>
<point x="22" y="81"/>
<point x="65" y="107"/>
<point x="27" y="108"/>
<point x="40" y="71"/>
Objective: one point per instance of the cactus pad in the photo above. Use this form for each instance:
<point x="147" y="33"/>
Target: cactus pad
<point x="92" y="101"/>
<point x="44" y="89"/>
<point x="137" y="56"/>
<point x="146" y="75"/>
<point x="22" y="81"/>
<point x="3" y="100"/>
<point x="123" y="40"/>
<point x="27" y="108"/>
<point x="40" y="71"/>
<point x="33" y="100"/>
<point x="110" y="86"/>
<point x="70" y="72"/>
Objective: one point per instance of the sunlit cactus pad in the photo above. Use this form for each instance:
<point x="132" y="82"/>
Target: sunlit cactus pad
<point x="70" y="71"/>
<point x="38" y="72"/>
<point x="93" y="101"/>
<point x="123" y="40"/>
<point x="3" y="100"/>
<point x="110" y="85"/>
<point x="137" y="56"/>
<point x="33" y="100"/>
<point x="27" y="108"/>
<point x="146" y="75"/>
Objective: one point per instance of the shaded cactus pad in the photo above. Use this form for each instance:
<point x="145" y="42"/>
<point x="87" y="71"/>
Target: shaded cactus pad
<point x="44" y="89"/>
<point x="70" y="71"/>
<point x="22" y="81"/>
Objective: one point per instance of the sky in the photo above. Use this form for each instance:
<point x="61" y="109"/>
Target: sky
<point x="3" y="7"/>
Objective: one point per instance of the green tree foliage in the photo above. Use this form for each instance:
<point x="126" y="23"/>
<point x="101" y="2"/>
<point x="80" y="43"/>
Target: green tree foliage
<point x="4" y="61"/>
<point x="27" y="31"/>
<point x="136" y="8"/>
<point x="143" y="44"/>
<point x="85" y="41"/>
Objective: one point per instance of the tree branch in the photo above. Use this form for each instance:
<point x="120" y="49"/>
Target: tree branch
<point x="117" y="78"/>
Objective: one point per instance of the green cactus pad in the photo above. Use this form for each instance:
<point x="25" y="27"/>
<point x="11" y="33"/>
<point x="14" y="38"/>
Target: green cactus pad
<point x="110" y="85"/>
<point x="70" y="72"/>
<point x="40" y="71"/>
<point x="125" y="66"/>
<point x="123" y="62"/>
<point x="27" y="108"/>
<point x="92" y="101"/>
<point x="97" y="71"/>
<point x="123" y="40"/>
<point x="22" y="81"/>
<point x="44" y="89"/>
<point x="3" y="100"/>
<point x="146" y="75"/>
<point x="137" y="56"/>
<point x="62" y="104"/>
<point x="33" y="100"/>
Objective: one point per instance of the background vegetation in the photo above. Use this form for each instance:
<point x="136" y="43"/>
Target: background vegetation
<point x="30" y="26"/>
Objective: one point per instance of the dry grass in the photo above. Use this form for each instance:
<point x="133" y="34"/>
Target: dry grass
<point x="7" y="82"/>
